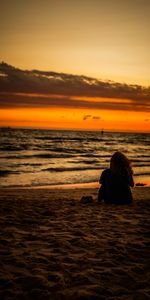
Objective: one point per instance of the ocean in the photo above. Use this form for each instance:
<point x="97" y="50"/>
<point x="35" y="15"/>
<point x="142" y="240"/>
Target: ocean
<point x="57" y="157"/>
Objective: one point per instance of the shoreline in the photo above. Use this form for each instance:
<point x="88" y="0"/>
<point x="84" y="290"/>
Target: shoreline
<point x="142" y="182"/>
<point x="139" y="180"/>
<point x="68" y="192"/>
<point x="57" y="186"/>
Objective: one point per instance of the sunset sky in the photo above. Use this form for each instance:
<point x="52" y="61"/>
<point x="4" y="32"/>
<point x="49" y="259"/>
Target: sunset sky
<point x="75" y="64"/>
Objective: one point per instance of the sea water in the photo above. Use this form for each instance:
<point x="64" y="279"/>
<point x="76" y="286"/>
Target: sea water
<point x="52" y="157"/>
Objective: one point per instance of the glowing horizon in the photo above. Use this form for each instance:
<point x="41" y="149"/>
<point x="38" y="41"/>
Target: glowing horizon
<point x="55" y="118"/>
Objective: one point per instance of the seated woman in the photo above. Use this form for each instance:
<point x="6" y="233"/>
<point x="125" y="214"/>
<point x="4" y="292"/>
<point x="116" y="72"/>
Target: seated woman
<point x="116" y="181"/>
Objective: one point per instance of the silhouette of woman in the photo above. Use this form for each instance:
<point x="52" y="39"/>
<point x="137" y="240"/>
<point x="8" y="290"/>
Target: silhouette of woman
<point x="116" y="181"/>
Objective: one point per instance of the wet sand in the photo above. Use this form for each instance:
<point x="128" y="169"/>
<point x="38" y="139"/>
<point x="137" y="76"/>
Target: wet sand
<point x="55" y="247"/>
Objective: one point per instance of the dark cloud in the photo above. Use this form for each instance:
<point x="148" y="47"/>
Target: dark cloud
<point x="23" y="88"/>
<point x="86" y="117"/>
<point x="96" y="118"/>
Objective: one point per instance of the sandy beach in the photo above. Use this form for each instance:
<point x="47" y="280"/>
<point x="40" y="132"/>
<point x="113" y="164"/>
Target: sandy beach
<point x="55" y="247"/>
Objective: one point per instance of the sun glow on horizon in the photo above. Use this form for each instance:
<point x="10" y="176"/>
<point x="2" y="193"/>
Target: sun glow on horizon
<point x="81" y="119"/>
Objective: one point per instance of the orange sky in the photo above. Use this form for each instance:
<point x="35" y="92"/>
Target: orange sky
<point x="104" y="40"/>
<point x="84" y="119"/>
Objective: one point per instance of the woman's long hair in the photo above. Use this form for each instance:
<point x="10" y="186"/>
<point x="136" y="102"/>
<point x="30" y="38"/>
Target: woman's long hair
<point x="120" y="164"/>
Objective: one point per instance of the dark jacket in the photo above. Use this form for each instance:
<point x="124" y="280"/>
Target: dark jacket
<point x="114" y="188"/>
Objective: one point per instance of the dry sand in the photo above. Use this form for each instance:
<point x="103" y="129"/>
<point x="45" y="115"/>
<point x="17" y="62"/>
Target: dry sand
<point x="54" y="247"/>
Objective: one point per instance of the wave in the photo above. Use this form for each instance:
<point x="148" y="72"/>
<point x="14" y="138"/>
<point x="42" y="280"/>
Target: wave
<point x="146" y="159"/>
<point x="141" y="165"/>
<point x="142" y="173"/>
<point x="44" y="155"/>
<point x="65" y="150"/>
<point x="69" y="139"/>
<point x="142" y="155"/>
<point x="95" y="155"/>
<point x="62" y="169"/>
<point x="11" y="148"/>
<point x="29" y="164"/>
<point x="5" y="173"/>
<point x="60" y="155"/>
<point x="56" y="153"/>
<point x="87" y="162"/>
